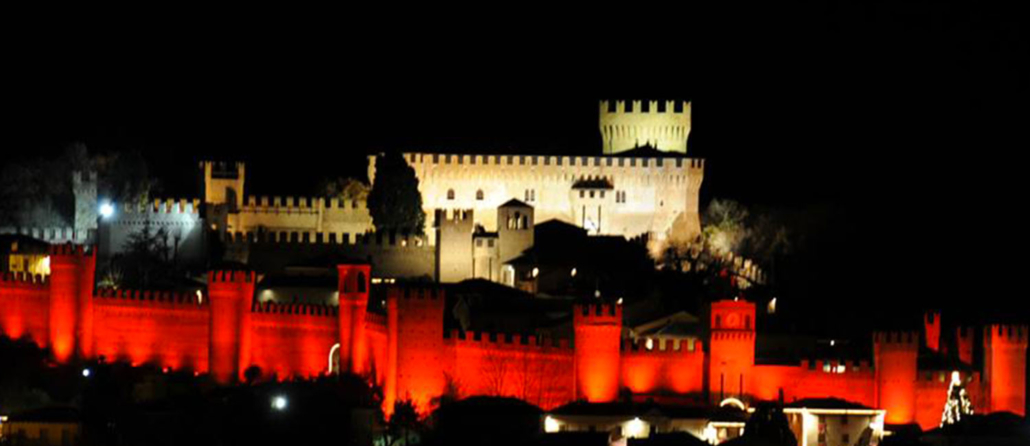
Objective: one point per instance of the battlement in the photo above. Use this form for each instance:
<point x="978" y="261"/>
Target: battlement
<point x="908" y="339"/>
<point x="295" y="309"/>
<point x="415" y="292"/>
<point x="648" y="107"/>
<point x="231" y="277"/>
<point x="505" y="340"/>
<point x="78" y="179"/>
<point x="1006" y="334"/>
<point x="453" y="216"/>
<point x="391" y="239"/>
<point x="23" y="279"/>
<point x="146" y="296"/>
<point x="300" y="205"/>
<point x="723" y="335"/>
<point x="540" y="161"/>
<point x="222" y="169"/>
<point x="663" y="346"/>
<point x="171" y="206"/>
<point x="54" y="235"/>
<point x="597" y="313"/>
<point x="70" y="250"/>
<point x="964" y="333"/>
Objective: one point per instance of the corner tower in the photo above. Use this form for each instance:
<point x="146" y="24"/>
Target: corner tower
<point x="1005" y="366"/>
<point x="223" y="183"/>
<point x="71" y="301"/>
<point x="231" y="294"/>
<point x="895" y="357"/>
<point x="664" y="125"/>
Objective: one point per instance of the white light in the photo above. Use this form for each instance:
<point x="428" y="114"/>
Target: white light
<point x="536" y="272"/>
<point x="649" y="344"/>
<point x="279" y="403"/>
<point x="772" y="306"/>
<point x="833" y="342"/>
<point x="635" y="428"/>
<point x="200" y="297"/>
<point x="618" y="302"/>
<point x="106" y="209"/>
<point x="86" y="373"/>
<point x="551" y="425"/>
<point x="573" y="273"/>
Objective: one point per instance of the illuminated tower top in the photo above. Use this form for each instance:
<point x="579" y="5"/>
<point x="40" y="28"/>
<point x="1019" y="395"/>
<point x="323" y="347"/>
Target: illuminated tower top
<point x="664" y="125"/>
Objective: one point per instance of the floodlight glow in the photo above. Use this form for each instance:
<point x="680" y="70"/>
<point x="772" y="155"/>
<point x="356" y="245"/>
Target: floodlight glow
<point x="106" y="209"/>
<point x="86" y="373"/>
<point x="551" y="425"/>
<point x="279" y="403"/>
<point x="635" y="428"/>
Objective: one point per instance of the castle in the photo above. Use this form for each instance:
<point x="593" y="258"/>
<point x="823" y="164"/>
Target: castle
<point x="483" y="210"/>
<point x="403" y="346"/>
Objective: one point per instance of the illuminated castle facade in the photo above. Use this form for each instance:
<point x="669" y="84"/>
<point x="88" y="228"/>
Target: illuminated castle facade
<point x="403" y="346"/>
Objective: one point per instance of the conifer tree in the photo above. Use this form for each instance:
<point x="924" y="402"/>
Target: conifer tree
<point x="395" y="202"/>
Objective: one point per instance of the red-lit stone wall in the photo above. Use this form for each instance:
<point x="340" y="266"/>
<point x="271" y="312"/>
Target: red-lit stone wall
<point x="895" y="356"/>
<point x="292" y="341"/>
<point x="932" y="392"/>
<point x="598" y="334"/>
<point x="669" y="367"/>
<point x="164" y="329"/>
<point x="1005" y="367"/>
<point x="732" y="349"/>
<point x="415" y="346"/>
<point x="25" y="307"/>
<point x="534" y="370"/>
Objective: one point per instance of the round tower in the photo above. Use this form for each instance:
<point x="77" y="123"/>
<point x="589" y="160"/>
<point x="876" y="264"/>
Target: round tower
<point x="71" y="299"/>
<point x="353" y="287"/>
<point x="231" y="294"/>
<point x="598" y="332"/>
<point x="895" y="356"/>
<point x="1005" y="366"/>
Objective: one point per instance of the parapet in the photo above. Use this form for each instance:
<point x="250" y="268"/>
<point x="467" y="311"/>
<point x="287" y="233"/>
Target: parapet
<point x="505" y="340"/>
<point x="849" y="366"/>
<point x="663" y="346"/>
<point x="399" y="240"/>
<point x="647" y="164"/>
<point x="54" y="235"/>
<point x="23" y="279"/>
<point x="231" y="277"/>
<point x="164" y="206"/>
<point x="597" y="314"/>
<point x="70" y="250"/>
<point x="902" y="339"/>
<point x="454" y="217"/>
<point x="637" y="106"/>
<point x="300" y="205"/>
<point x="297" y="309"/>
<point x="159" y="297"/>
<point x="1006" y="334"/>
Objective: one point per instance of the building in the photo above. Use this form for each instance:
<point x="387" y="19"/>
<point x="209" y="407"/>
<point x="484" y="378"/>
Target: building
<point x="49" y="426"/>
<point x="402" y="342"/>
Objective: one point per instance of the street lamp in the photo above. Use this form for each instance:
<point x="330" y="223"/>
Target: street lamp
<point x="279" y="403"/>
<point x="106" y="209"/>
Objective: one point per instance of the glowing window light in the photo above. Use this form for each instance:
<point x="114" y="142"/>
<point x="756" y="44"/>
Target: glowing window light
<point x="551" y="425"/>
<point x="573" y="272"/>
<point x="332" y="351"/>
<point x="772" y="306"/>
<point x="635" y="428"/>
<point x="649" y="344"/>
<point x="536" y="272"/>
<point x="44" y="266"/>
<point x="200" y="297"/>
<point x="733" y="402"/>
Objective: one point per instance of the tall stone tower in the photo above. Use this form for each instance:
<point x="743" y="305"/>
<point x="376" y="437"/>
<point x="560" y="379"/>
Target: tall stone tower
<point x="84" y="188"/>
<point x="454" y="244"/>
<point x="514" y="232"/>
<point x="731" y="353"/>
<point x="231" y="294"/>
<point x="223" y="183"/>
<point x="1005" y="364"/>
<point x="71" y="301"/>
<point x="895" y="357"/>
<point x="598" y="333"/>
<point x="353" y="288"/>
<point x="414" y="346"/>
<point x="664" y="125"/>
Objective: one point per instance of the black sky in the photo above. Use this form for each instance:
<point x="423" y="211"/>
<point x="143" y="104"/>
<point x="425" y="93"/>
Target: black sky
<point x="896" y="132"/>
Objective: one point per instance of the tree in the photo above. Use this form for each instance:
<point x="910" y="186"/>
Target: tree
<point x="346" y="189"/>
<point x="395" y="202"/>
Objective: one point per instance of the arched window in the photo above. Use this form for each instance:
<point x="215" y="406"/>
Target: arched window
<point x="479" y="194"/>
<point x="450" y="194"/>
<point x="361" y="283"/>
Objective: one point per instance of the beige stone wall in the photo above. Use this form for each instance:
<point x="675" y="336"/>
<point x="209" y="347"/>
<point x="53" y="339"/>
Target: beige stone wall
<point x="661" y="193"/>
<point x="629" y="126"/>
<point x="301" y="214"/>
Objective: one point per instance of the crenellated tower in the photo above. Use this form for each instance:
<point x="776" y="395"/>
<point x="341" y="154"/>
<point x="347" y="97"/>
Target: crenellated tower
<point x="223" y="183"/>
<point x="353" y="288"/>
<point x="414" y="346"/>
<point x="664" y="125"/>
<point x="1005" y="367"/>
<point x="894" y="355"/>
<point x="454" y="244"/>
<point x="231" y="294"/>
<point x="932" y="330"/>
<point x="731" y="355"/>
<point x="598" y="334"/>
<point x="71" y="301"/>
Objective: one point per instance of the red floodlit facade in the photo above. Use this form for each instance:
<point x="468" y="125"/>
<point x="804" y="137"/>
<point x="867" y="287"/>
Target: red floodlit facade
<point x="407" y="352"/>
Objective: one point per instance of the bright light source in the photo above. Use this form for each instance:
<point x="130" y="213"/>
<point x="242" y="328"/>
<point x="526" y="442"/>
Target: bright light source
<point x="86" y="373"/>
<point x="618" y="302"/>
<point x="573" y="272"/>
<point x="279" y="403"/>
<point x="833" y="342"/>
<point x="106" y="209"/>
<point x="635" y="428"/>
<point x="772" y="306"/>
<point x="200" y="297"/>
<point x="649" y="344"/>
<point x="551" y="425"/>
<point x="536" y="272"/>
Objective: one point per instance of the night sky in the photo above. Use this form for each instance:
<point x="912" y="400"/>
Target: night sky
<point x="893" y="137"/>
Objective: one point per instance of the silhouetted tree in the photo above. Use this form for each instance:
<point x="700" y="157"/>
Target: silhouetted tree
<point x="394" y="201"/>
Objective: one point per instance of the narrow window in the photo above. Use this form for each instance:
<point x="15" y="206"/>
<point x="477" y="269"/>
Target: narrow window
<point x="479" y="194"/>
<point x="361" y="283"/>
<point x="450" y="194"/>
